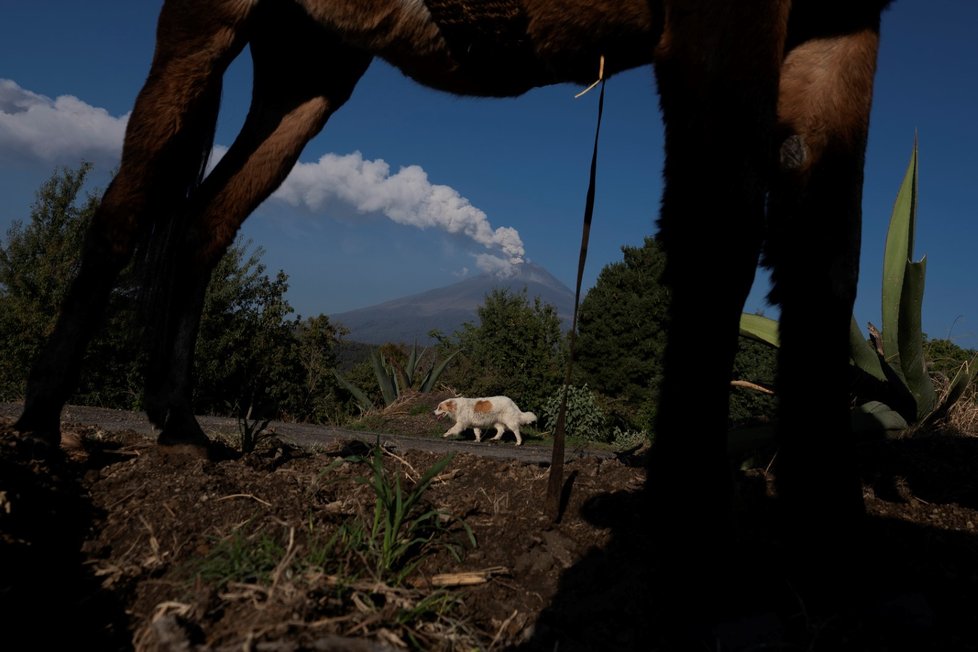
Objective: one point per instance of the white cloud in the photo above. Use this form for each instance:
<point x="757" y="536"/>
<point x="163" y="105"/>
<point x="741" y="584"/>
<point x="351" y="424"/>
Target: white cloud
<point x="405" y="197"/>
<point x="64" y="130"/>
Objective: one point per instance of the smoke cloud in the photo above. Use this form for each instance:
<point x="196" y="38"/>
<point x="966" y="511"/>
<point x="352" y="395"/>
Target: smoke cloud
<point x="406" y="197"/>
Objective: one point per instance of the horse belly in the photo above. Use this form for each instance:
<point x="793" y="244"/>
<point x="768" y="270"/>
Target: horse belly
<point x="493" y="49"/>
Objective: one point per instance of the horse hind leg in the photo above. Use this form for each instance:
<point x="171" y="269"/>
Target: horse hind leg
<point x="289" y="107"/>
<point x="167" y="141"/>
<point x="815" y="215"/>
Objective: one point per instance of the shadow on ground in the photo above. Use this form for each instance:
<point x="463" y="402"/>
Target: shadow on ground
<point x="910" y="581"/>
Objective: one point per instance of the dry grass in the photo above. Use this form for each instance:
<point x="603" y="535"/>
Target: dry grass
<point x="963" y="417"/>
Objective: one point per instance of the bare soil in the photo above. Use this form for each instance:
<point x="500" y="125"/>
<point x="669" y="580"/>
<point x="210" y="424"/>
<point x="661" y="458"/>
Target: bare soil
<point x="117" y="544"/>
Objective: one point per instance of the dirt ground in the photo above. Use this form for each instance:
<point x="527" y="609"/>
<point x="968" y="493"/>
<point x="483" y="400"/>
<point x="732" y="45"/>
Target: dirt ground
<point x="117" y="544"/>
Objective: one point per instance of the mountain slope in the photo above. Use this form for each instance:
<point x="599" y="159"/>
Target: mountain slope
<point x="410" y="318"/>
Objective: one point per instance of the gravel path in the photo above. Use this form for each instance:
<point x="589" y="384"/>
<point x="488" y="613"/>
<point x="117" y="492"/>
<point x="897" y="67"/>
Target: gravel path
<point x="307" y="435"/>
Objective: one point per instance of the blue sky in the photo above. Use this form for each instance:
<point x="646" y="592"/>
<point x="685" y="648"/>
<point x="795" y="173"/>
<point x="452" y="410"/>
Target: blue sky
<point x="512" y="172"/>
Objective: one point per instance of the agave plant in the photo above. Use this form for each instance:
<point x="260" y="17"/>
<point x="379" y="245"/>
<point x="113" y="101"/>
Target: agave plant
<point x="394" y="379"/>
<point x="895" y="357"/>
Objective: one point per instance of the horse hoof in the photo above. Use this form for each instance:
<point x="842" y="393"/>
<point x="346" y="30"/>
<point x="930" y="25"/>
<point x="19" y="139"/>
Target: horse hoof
<point x="39" y="448"/>
<point x="182" y="431"/>
<point x="184" y="438"/>
<point x="43" y="435"/>
<point x="195" y="451"/>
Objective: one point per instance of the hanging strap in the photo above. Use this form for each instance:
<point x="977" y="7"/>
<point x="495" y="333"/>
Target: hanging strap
<point x="556" y="479"/>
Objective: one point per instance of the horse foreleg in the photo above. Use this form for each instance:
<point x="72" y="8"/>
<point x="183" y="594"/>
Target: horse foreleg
<point x="815" y="213"/>
<point x="719" y="114"/>
<point x="289" y="107"/>
<point x="167" y="140"/>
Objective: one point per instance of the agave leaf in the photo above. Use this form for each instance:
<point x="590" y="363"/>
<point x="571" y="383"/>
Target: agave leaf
<point x="401" y="381"/>
<point x="863" y="355"/>
<point x="911" y="339"/>
<point x="411" y="363"/>
<point x="385" y="379"/>
<point x="898" y="252"/>
<point x="877" y="417"/>
<point x="762" y="329"/>
<point x="358" y="394"/>
<point x="898" y="394"/>
<point x="436" y="372"/>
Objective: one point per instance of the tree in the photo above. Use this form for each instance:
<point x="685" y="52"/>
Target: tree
<point x="37" y="262"/>
<point x="621" y="340"/>
<point x="252" y="354"/>
<point x="622" y="334"/>
<point x="516" y="349"/>
<point x="246" y="354"/>
<point x="250" y="351"/>
<point x="318" y="341"/>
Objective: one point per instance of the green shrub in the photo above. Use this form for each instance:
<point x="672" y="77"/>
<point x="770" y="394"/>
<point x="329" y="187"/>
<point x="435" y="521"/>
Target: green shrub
<point x="584" y="419"/>
<point x="756" y="363"/>
<point x="627" y="439"/>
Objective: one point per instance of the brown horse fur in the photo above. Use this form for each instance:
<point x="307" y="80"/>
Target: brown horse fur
<point x="766" y="106"/>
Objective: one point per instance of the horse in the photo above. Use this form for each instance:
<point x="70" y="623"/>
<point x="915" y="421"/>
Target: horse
<point x="766" y="109"/>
